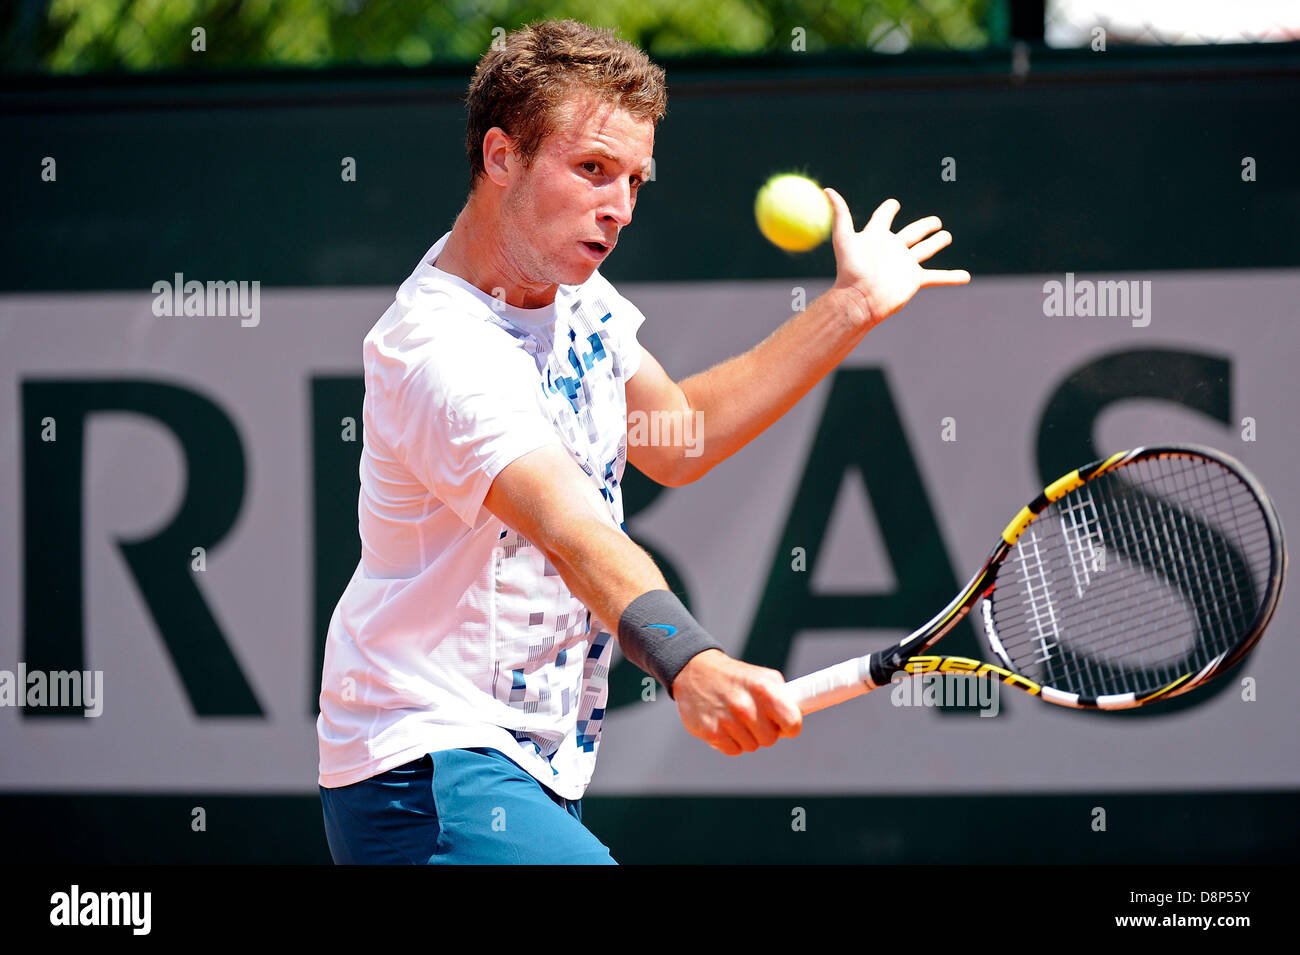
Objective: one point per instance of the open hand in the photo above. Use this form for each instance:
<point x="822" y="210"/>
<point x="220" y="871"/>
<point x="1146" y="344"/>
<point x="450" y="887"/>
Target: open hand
<point x="884" y="266"/>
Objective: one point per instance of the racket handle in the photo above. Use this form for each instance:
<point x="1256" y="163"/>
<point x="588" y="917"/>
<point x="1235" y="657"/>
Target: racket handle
<point x="834" y="684"/>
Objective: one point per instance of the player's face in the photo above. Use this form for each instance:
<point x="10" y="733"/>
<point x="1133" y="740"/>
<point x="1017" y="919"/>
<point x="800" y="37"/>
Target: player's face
<point x="566" y="211"/>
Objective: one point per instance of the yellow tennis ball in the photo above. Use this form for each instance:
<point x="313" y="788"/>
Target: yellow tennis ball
<point x="793" y="213"/>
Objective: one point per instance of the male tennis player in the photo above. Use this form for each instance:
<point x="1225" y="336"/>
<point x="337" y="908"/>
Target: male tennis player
<point x="465" y="672"/>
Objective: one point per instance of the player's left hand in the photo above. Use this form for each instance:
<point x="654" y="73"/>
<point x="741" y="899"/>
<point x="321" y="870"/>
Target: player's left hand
<point x="734" y="706"/>
<point x="884" y="267"/>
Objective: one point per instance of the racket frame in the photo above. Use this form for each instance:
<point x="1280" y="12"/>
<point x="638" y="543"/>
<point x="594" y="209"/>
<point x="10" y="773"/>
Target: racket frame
<point x="871" y="671"/>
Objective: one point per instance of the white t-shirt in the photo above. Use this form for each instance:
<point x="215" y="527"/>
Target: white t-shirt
<point x="454" y="631"/>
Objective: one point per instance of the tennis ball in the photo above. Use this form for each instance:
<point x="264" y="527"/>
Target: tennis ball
<point x="793" y="213"/>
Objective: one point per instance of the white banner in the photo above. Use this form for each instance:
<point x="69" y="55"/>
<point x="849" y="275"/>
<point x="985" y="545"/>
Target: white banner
<point x="969" y="374"/>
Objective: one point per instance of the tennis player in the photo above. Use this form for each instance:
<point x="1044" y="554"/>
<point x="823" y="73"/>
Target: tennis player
<point x="465" y="671"/>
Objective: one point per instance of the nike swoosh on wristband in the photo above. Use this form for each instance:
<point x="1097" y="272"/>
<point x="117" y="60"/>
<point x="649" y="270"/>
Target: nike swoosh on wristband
<point x="669" y="631"/>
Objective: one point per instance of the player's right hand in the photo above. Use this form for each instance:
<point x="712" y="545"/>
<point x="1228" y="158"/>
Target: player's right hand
<point x="733" y="706"/>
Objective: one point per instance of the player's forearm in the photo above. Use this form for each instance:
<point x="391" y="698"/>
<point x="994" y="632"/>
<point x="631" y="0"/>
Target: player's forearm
<point x="604" y="568"/>
<point x="740" y="398"/>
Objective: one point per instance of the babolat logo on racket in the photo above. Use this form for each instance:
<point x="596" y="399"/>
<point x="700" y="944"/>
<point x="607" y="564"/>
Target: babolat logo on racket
<point x="919" y="665"/>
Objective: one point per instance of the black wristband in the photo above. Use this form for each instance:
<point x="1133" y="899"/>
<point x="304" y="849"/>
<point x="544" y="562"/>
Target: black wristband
<point x="659" y="635"/>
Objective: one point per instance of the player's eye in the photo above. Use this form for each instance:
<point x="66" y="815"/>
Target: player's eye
<point x="592" y="167"/>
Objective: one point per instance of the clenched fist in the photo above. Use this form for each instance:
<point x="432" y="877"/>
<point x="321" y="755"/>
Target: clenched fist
<point x="733" y="706"/>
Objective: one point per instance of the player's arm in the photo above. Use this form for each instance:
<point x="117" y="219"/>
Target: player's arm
<point x="877" y="273"/>
<point x="732" y="705"/>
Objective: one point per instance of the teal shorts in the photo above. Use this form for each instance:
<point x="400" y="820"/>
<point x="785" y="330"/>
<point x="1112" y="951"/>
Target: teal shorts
<point x="473" y="806"/>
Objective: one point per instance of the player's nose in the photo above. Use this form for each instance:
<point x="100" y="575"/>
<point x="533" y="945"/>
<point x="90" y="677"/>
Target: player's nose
<point x="618" y="204"/>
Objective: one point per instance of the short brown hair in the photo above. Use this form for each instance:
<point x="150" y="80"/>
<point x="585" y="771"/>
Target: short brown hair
<point x="520" y="85"/>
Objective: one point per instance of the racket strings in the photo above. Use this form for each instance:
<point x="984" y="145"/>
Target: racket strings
<point x="1168" y="544"/>
<point x="1136" y="578"/>
<point x="1175" y="548"/>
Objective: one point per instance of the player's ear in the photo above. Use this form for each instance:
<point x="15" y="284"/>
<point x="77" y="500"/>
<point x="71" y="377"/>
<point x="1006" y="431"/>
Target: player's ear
<point x="498" y="155"/>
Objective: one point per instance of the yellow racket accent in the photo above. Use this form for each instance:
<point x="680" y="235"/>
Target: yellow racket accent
<point x="1059" y="488"/>
<point x="1182" y="679"/>
<point x="1109" y="463"/>
<point x="1017" y="525"/>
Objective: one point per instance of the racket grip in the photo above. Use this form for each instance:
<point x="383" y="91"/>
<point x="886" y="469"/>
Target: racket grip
<point x="834" y="684"/>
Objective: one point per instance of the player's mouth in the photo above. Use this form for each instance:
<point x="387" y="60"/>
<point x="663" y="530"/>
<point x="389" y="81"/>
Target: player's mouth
<point x="597" y="250"/>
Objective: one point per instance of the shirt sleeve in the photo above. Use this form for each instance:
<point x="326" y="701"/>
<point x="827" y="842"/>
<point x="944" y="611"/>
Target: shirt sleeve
<point x="628" y="319"/>
<point x="632" y="348"/>
<point x="465" y="414"/>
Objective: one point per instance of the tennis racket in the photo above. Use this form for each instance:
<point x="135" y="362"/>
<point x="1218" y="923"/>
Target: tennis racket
<point x="1128" y="581"/>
